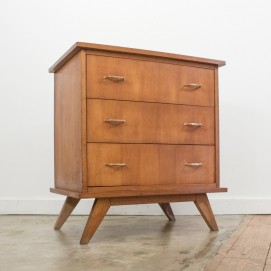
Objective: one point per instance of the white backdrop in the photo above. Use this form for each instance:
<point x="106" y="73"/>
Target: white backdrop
<point x="34" y="34"/>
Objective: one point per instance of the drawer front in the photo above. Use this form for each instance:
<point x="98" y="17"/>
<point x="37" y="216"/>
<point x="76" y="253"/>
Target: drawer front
<point x="139" y="80"/>
<point x="139" y="122"/>
<point x="148" y="164"/>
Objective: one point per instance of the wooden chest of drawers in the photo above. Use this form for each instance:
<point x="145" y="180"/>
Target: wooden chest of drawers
<point x="135" y="126"/>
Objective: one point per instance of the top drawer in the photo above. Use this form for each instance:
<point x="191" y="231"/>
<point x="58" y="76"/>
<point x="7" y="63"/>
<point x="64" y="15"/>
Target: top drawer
<point x="140" y="80"/>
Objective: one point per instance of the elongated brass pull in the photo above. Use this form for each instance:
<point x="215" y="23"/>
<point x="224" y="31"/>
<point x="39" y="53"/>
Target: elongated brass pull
<point x="114" y="78"/>
<point x="193" y="124"/>
<point x="193" y="164"/>
<point x="115" y="164"/>
<point x="193" y="86"/>
<point x="115" y="121"/>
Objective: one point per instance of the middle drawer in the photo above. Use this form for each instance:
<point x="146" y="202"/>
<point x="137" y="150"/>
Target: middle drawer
<point x="140" y="122"/>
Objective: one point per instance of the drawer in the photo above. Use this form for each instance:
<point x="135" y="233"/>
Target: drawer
<point x="141" y="122"/>
<point x="149" y="164"/>
<point x="139" y="80"/>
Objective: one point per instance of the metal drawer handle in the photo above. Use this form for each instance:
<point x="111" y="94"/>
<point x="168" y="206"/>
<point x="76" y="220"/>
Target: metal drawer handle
<point x="193" y="124"/>
<point x="114" y="78"/>
<point x="193" y="164"/>
<point x="115" y="121"/>
<point x="115" y="164"/>
<point x="193" y="86"/>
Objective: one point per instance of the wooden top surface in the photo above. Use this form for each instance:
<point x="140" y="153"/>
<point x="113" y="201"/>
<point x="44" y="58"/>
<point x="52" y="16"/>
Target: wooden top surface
<point x="91" y="46"/>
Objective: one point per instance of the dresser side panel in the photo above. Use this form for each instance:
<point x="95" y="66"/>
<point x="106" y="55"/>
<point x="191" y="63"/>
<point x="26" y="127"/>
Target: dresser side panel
<point x="68" y="152"/>
<point x="217" y="156"/>
<point x="84" y="120"/>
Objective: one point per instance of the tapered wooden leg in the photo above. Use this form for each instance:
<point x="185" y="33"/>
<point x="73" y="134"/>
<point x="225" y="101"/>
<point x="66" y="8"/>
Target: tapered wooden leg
<point x="204" y="207"/>
<point x="98" y="211"/>
<point x="68" y="206"/>
<point x="167" y="210"/>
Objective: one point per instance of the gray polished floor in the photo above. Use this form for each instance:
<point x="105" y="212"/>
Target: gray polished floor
<point x="125" y="243"/>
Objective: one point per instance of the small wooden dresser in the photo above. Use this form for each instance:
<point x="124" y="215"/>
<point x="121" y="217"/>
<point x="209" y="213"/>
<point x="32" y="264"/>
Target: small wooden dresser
<point x="134" y="127"/>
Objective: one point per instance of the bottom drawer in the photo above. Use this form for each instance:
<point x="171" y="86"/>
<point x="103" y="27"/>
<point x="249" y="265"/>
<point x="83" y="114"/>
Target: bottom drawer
<point x="149" y="164"/>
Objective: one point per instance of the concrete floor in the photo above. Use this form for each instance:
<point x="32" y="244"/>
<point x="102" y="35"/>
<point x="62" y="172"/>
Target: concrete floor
<point x="122" y="243"/>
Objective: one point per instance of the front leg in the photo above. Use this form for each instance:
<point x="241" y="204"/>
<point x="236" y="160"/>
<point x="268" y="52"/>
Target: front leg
<point x="204" y="207"/>
<point x="98" y="212"/>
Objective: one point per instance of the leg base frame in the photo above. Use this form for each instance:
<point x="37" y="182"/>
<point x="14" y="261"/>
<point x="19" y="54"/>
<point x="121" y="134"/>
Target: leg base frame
<point x="102" y="205"/>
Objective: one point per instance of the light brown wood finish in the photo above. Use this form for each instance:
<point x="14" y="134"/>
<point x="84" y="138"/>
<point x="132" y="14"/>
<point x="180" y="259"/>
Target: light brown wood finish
<point x="84" y="120"/>
<point x="98" y="211"/>
<point x="148" y="81"/>
<point x="149" y="123"/>
<point x="151" y="157"/>
<point x="68" y="207"/>
<point x="68" y="160"/>
<point x="247" y="249"/>
<point x="147" y="164"/>
<point x="101" y="206"/>
<point x="150" y="58"/>
<point x="204" y="207"/>
<point x="143" y="190"/>
<point x="226" y="247"/>
<point x="151" y="199"/>
<point x="129" y="51"/>
<point x="159" y="190"/>
<point x="217" y="157"/>
<point x="167" y="210"/>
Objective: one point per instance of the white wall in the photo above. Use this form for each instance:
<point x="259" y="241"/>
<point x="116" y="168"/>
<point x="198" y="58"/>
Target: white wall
<point x="34" y="34"/>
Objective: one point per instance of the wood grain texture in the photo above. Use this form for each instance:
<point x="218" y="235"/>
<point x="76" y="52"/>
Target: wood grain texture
<point x="255" y="240"/>
<point x="226" y="247"/>
<point x="102" y="205"/>
<point x="84" y="120"/>
<point x="247" y="249"/>
<point x="115" y="201"/>
<point x="216" y="129"/>
<point x="167" y="210"/>
<point x="148" y="164"/>
<point x="133" y="191"/>
<point x="98" y="211"/>
<point x="148" y="123"/>
<point x="68" y="207"/>
<point x="148" y="81"/>
<point x="229" y="264"/>
<point x="117" y="49"/>
<point x="151" y="58"/>
<point x="204" y="207"/>
<point x="151" y="157"/>
<point x="68" y="134"/>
